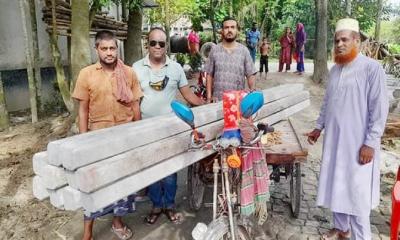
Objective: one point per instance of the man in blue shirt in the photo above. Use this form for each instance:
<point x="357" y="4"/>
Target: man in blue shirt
<point x="252" y="38"/>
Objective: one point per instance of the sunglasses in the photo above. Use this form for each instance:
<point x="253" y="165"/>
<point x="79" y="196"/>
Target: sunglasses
<point x="153" y="43"/>
<point x="160" y="85"/>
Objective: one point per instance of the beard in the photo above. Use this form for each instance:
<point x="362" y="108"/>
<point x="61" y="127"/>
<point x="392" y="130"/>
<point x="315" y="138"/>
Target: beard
<point x="346" y="57"/>
<point x="230" y="38"/>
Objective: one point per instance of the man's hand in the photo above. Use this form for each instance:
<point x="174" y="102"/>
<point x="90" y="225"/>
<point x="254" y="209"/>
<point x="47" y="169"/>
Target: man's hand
<point x="366" y="154"/>
<point x="313" y="136"/>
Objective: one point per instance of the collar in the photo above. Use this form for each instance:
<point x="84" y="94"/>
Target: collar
<point x="146" y="61"/>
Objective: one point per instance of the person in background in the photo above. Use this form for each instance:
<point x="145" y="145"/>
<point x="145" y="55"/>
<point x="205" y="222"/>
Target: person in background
<point x="301" y="38"/>
<point x="264" y="51"/>
<point x="252" y="39"/>
<point x="193" y="42"/>
<point x="287" y="42"/>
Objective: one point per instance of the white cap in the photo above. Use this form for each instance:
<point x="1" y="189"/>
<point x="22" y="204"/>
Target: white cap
<point x="347" y="24"/>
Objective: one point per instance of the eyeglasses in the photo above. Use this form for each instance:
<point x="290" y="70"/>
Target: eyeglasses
<point x="160" y="85"/>
<point x="153" y="43"/>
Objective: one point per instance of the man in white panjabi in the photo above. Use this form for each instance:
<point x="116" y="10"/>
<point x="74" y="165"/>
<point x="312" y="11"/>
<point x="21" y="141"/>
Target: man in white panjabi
<point x="353" y="116"/>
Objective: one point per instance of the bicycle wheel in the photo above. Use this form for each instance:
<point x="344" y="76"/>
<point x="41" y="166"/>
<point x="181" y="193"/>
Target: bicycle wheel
<point x="295" y="189"/>
<point x="219" y="230"/>
<point x="195" y="186"/>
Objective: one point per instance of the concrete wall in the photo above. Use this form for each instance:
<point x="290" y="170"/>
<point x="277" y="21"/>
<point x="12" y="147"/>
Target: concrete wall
<point x="12" y="45"/>
<point x="13" y="59"/>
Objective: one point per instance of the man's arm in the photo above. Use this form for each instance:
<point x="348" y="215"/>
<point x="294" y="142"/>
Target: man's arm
<point x="209" y="86"/>
<point x="251" y="80"/>
<point x="189" y="96"/>
<point x="136" y="111"/>
<point x="378" y="107"/>
<point x="83" y="115"/>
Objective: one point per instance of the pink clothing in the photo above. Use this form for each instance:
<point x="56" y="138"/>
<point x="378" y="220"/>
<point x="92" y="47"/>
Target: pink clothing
<point x="286" y="49"/>
<point x="194" y="37"/>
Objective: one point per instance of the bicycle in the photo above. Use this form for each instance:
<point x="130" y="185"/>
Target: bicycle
<point x="227" y="221"/>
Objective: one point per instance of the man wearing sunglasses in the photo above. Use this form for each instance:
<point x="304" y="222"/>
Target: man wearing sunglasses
<point x="229" y="64"/>
<point x="160" y="78"/>
<point x="108" y="93"/>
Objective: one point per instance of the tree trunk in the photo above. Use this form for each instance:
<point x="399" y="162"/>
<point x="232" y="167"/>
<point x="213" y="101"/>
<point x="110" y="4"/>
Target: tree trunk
<point x="321" y="58"/>
<point x="378" y="21"/>
<point x="29" y="64"/>
<point x="60" y="76"/>
<point x="264" y="22"/>
<point x="167" y="25"/>
<point x="4" y="122"/>
<point x="231" y="8"/>
<point x="213" y="21"/>
<point x="80" y="41"/>
<point x="348" y="8"/>
<point x="133" y="44"/>
<point x="36" y="54"/>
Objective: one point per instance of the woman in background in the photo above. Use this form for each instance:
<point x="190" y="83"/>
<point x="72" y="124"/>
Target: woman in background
<point x="286" y="42"/>
<point x="299" y="52"/>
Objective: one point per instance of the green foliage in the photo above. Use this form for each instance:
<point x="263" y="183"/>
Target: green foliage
<point x="394" y="48"/>
<point x="195" y="62"/>
<point x="205" y="37"/>
<point x="364" y="11"/>
<point x="176" y="9"/>
<point x="204" y="10"/>
<point x="181" y="58"/>
<point x="390" y="31"/>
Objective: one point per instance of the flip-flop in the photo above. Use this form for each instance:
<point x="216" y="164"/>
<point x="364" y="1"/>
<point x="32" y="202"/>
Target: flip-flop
<point x="122" y="233"/>
<point x="173" y="216"/>
<point x="153" y="217"/>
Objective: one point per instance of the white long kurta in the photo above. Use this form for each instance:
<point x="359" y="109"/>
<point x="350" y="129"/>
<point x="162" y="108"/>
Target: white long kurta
<point x="353" y="113"/>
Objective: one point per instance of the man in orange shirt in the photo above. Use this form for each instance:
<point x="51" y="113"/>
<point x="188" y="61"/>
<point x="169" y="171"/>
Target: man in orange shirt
<point x="108" y="93"/>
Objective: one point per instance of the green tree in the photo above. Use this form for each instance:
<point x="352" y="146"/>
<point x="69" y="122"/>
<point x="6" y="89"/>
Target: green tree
<point x="170" y="11"/>
<point x="320" y="74"/>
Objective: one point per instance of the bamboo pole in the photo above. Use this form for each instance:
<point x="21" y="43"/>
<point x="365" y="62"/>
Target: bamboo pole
<point x="29" y="63"/>
<point x="4" y="121"/>
<point x="36" y="54"/>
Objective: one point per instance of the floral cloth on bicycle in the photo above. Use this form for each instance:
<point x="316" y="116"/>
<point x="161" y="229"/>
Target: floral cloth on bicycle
<point x="254" y="180"/>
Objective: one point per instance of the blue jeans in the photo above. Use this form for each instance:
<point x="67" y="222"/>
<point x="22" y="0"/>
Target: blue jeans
<point x="162" y="193"/>
<point x="119" y="209"/>
<point x="300" y="62"/>
<point x="252" y="53"/>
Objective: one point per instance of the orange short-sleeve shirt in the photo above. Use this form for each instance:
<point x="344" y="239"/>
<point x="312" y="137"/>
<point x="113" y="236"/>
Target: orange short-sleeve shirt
<point x="94" y="85"/>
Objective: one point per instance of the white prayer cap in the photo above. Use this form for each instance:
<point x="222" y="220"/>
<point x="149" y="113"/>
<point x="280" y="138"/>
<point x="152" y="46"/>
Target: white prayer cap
<point x="347" y="24"/>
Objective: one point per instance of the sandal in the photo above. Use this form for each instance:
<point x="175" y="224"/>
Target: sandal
<point x="122" y="233"/>
<point x="335" y="234"/>
<point x="153" y="216"/>
<point x="173" y="216"/>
